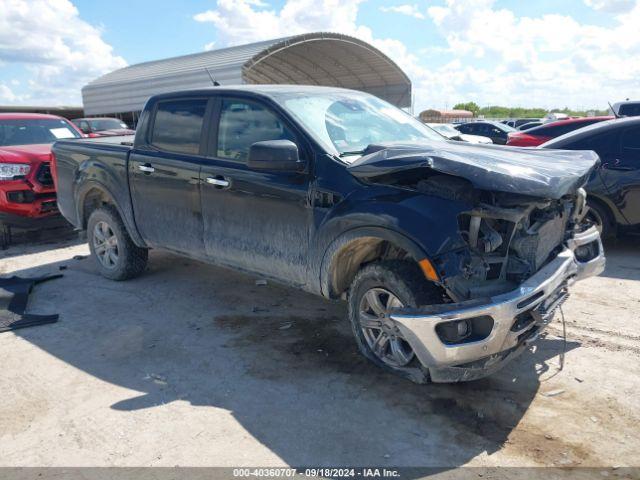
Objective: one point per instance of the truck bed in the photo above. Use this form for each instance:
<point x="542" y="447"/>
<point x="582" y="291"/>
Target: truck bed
<point x="74" y="160"/>
<point x="121" y="140"/>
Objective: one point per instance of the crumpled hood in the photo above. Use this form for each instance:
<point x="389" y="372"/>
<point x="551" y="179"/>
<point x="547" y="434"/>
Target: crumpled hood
<point x="536" y="172"/>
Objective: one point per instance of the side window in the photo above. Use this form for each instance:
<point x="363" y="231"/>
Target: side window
<point x="605" y="144"/>
<point x="543" y="131"/>
<point x="630" y="110"/>
<point x="178" y="125"/>
<point x="630" y="144"/>
<point x="243" y="123"/>
<point x="570" y="127"/>
<point x="481" y="129"/>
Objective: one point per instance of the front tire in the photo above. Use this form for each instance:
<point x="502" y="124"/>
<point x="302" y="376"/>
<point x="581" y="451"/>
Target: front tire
<point x="115" y="254"/>
<point x="376" y="290"/>
<point x="599" y="217"/>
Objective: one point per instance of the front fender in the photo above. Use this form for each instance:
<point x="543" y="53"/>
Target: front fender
<point x="423" y="225"/>
<point x="430" y="222"/>
<point x="328" y="259"/>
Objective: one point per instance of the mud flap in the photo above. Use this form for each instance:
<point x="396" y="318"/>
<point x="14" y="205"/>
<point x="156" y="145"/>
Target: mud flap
<point x="14" y="296"/>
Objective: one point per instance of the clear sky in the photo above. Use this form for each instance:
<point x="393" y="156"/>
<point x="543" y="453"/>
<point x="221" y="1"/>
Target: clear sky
<point x="549" y="53"/>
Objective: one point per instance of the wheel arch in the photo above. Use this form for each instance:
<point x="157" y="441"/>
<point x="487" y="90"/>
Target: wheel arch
<point x="608" y="208"/>
<point x="92" y="195"/>
<point x="353" y="249"/>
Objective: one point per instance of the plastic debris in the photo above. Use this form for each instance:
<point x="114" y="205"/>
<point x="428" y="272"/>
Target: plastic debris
<point x="554" y="393"/>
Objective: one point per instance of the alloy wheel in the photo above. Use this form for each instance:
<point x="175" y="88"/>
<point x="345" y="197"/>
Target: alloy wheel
<point x="382" y="335"/>
<point x="105" y="245"/>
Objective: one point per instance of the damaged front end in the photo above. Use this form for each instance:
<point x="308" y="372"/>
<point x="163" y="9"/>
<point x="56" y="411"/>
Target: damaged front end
<point x="521" y="252"/>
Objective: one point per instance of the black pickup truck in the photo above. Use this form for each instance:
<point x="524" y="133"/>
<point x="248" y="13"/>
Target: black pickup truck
<point x="452" y="257"/>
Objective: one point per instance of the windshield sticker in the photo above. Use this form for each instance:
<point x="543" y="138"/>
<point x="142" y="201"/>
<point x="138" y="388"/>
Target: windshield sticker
<point x="62" y="133"/>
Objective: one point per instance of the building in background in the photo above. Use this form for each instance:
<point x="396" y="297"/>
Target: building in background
<point x="327" y="59"/>
<point x="445" y="116"/>
<point x="66" y="112"/>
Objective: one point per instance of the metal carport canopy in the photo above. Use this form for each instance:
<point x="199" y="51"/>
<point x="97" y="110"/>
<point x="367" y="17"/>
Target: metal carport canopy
<point x="328" y="59"/>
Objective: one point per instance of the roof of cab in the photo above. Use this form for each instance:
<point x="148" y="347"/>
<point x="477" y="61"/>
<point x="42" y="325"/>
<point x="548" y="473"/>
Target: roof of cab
<point x="263" y="90"/>
<point x="28" y="116"/>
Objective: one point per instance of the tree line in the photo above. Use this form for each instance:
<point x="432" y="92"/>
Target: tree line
<point x="520" y="112"/>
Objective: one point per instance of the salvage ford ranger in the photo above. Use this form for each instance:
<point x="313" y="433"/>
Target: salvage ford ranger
<point x="452" y="257"/>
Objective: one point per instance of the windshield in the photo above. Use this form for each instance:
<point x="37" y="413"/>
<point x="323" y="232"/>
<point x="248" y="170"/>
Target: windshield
<point x="445" y="129"/>
<point x="347" y="122"/>
<point x="34" y="131"/>
<point x="106" y="124"/>
<point x="504" y="127"/>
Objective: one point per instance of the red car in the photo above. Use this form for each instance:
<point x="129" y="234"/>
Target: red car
<point x="26" y="187"/>
<point x="102" y="127"/>
<point x="538" y="135"/>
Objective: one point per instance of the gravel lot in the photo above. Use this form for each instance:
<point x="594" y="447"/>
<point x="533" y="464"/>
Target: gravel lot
<point x="196" y="365"/>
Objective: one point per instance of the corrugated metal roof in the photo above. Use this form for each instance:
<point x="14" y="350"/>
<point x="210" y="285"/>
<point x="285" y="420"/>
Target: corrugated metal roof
<point x="310" y="59"/>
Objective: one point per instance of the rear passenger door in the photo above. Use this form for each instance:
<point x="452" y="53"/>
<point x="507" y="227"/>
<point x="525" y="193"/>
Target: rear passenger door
<point x="165" y="174"/>
<point x="254" y="220"/>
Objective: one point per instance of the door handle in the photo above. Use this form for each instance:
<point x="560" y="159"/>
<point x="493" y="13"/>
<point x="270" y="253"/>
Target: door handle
<point x="616" y="166"/>
<point x="218" y="181"/>
<point x="146" y="168"/>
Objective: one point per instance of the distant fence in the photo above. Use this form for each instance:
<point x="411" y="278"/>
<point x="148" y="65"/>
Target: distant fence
<point x="446" y="119"/>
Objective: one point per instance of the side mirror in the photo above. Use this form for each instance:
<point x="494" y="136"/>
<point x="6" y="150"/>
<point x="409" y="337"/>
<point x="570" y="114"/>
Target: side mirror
<point x="85" y="130"/>
<point x="280" y="155"/>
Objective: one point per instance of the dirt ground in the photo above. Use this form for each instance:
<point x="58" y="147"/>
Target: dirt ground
<point x="194" y="365"/>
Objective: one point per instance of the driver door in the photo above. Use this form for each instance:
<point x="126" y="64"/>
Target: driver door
<point x="254" y="220"/>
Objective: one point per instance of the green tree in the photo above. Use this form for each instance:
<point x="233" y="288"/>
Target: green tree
<point x="469" y="106"/>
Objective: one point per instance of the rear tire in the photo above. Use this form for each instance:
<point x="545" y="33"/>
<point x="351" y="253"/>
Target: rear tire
<point x="115" y="254"/>
<point x="376" y="289"/>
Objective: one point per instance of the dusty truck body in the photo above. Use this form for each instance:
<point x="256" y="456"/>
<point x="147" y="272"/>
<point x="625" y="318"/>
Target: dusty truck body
<point x="452" y="257"/>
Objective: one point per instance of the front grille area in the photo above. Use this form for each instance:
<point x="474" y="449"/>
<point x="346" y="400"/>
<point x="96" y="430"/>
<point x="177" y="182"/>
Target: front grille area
<point x="49" y="206"/>
<point x="44" y="175"/>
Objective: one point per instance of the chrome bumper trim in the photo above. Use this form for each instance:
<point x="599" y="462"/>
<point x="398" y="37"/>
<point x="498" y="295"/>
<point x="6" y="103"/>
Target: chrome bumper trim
<point x="419" y="330"/>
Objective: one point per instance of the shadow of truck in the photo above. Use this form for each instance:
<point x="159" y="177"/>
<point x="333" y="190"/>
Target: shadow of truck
<point x="282" y="362"/>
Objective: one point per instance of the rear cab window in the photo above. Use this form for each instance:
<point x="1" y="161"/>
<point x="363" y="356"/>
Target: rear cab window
<point x="178" y="124"/>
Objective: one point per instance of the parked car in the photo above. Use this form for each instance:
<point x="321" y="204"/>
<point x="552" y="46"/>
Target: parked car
<point x="27" y="194"/>
<point x="614" y="191"/>
<point x="518" y="122"/>
<point x="452" y="256"/>
<point x="448" y="131"/>
<point x="102" y="127"/>
<point x="626" y="109"/>
<point x="554" y="117"/>
<point x="496" y="131"/>
<point x="538" y="135"/>
<point x="527" y="126"/>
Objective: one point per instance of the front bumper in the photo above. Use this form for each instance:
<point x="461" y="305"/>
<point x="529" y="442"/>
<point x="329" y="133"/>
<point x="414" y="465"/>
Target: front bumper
<point x="541" y="294"/>
<point x="22" y="201"/>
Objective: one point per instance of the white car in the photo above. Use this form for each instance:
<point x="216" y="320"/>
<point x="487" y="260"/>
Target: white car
<point x="447" y="130"/>
<point x="626" y="109"/>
